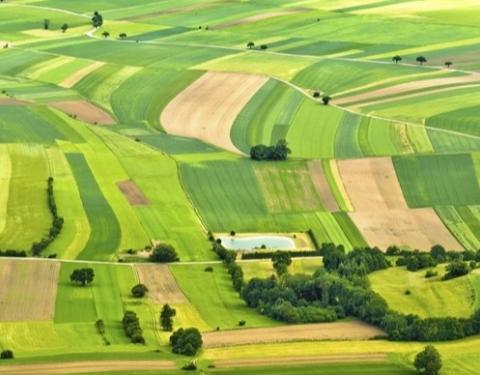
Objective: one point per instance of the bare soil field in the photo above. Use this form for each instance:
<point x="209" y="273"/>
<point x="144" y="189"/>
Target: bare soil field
<point x="84" y="111"/>
<point x="10" y="101"/>
<point x="207" y="108"/>
<point x="86" y="367"/>
<point x="27" y="290"/>
<point x="80" y="74"/>
<point x="418" y="228"/>
<point x="371" y="184"/>
<point x="381" y="212"/>
<point x="133" y="193"/>
<point x="162" y="286"/>
<point x="321" y="185"/>
<point x="409" y="86"/>
<point x="299" y="332"/>
<point x="292" y="360"/>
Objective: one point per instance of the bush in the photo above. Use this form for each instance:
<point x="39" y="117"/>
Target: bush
<point x="431" y="273"/>
<point x="209" y="269"/>
<point x="241" y="323"/>
<point x="456" y="269"/>
<point x="186" y="341"/>
<point x="139" y="291"/>
<point x="6" y="354"/>
<point x="190" y="366"/>
<point x="100" y="325"/>
<point x="164" y="253"/>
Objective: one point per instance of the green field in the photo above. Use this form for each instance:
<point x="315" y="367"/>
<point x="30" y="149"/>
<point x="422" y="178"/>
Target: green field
<point x="121" y="189"/>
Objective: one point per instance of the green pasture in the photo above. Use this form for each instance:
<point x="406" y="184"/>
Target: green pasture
<point x="429" y="297"/>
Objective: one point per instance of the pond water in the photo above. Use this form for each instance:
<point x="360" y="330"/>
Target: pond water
<point x="256" y="242"/>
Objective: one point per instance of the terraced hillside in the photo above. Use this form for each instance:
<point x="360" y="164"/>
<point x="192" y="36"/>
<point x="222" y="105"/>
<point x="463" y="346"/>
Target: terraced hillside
<point x="144" y="125"/>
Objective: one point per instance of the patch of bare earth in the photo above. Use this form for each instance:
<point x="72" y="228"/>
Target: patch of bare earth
<point x="321" y="185"/>
<point x="255" y="18"/>
<point x="85" y="367"/>
<point x="162" y="286"/>
<point x="207" y="108"/>
<point x="11" y="101"/>
<point x="408" y="87"/>
<point x="84" y="111"/>
<point x="27" y="290"/>
<point x="301" y="332"/>
<point x="80" y="74"/>
<point x="133" y="193"/>
<point x="381" y="212"/>
<point x="292" y="360"/>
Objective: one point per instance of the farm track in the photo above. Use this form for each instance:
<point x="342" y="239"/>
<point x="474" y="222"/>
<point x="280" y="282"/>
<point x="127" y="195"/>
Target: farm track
<point x="85" y="367"/>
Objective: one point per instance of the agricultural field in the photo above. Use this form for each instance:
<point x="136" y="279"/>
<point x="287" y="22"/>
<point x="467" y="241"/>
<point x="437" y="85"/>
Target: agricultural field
<point x="134" y="136"/>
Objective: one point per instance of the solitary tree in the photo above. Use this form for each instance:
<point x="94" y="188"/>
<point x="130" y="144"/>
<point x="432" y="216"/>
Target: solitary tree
<point x="448" y="64"/>
<point x="421" y="60"/>
<point x="105" y="34"/>
<point x="139" y="291"/>
<point x="122" y="36"/>
<point x="326" y="99"/>
<point x="64" y="27"/>
<point x="46" y="24"/>
<point x="164" y="253"/>
<point x="428" y="361"/>
<point x="250" y="45"/>
<point x="166" y="317"/>
<point x="396" y="59"/>
<point x="281" y="260"/>
<point x="97" y="19"/>
<point x="82" y="276"/>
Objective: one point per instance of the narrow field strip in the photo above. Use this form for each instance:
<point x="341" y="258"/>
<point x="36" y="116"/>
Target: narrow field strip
<point x="299" y="332"/>
<point x="86" y="367"/>
<point x="161" y="284"/>
<point x="84" y="111"/>
<point x="5" y="174"/>
<point x="294" y="360"/>
<point x="80" y="74"/>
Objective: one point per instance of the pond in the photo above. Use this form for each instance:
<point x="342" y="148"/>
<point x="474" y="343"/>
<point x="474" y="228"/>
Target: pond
<point x="256" y="242"/>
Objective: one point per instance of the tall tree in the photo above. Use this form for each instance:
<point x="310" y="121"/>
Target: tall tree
<point x="421" y="60"/>
<point x="97" y="19"/>
<point x="166" y="317"/>
<point x="82" y="276"/>
<point x="396" y="59"/>
<point x="281" y="260"/>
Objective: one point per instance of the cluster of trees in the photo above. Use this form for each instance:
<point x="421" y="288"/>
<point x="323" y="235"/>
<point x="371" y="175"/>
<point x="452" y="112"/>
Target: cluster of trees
<point x="6" y="354"/>
<point x="131" y="325"/>
<point x="229" y="257"/>
<point x="57" y="222"/>
<point x="186" y="341"/>
<point x="458" y="268"/>
<point x="97" y="20"/>
<point x="13" y="253"/>
<point x="82" y="276"/>
<point x="164" y="253"/>
<point x="139" y="290"/>
<point x="269" y="254"/>
<point x="166" y="317"/>
<point x="278" y="152"/>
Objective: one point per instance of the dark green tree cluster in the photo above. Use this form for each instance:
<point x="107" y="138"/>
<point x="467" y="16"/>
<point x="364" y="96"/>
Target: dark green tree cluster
<point x="428" y="361"/>
<point x="82" y="276"/>
<point x="278" y="152"/>
<point x="186" y="341"/>
<point x="229" y="257"/>
<point x="131" y="325"/>
<point x="457" y="268"/>
<point x="166" y="317"/>
<point x="164" y="253"/>
<point x="13" y="253"/>
<point x="6" y="354"/>
<point x="97" y="19"/>
<point x="57" y="222"/>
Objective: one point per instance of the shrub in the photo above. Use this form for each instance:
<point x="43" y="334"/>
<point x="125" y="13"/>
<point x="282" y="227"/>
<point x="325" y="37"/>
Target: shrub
<point x="241" y="323"/>
<point x="209" y="269"/>
<point x="431" y="273"/>
<point x="190" y="366"/>
<point x="164" y="253"/>
<point x="139" y="291"/>
<point x="186" y="341"/>
<point x="131" y="325"/>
